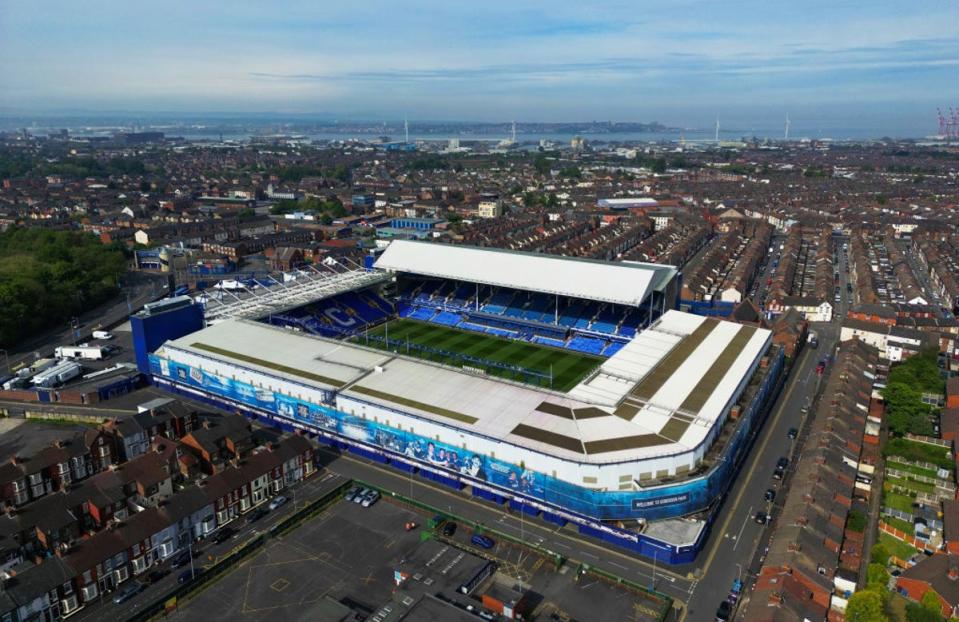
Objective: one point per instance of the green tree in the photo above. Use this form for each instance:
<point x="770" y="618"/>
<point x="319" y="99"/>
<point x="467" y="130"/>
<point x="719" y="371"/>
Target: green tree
<point x="866" y="606"/>
<point x="856" y="521"/>
<point x="930" y="600"/>
<point x="542" y="164"/>
<point x="918" y="613"/>
<point x="879" y="554"/>
<point x="877" y="578"/>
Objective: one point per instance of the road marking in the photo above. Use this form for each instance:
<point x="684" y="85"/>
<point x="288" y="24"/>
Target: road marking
<point x="618" y="565"/>
<point x="739" y="536"/>
<point x="756" y="451"/>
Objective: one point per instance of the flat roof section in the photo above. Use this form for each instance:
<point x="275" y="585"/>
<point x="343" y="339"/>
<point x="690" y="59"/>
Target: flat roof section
<point x="688" y="369"/>
<point x="620" y="283"/>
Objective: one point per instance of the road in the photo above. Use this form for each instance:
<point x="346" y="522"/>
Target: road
<point x="736" y="536"/>
<point x="207" y="552"/>
<point x="140" y="290"/>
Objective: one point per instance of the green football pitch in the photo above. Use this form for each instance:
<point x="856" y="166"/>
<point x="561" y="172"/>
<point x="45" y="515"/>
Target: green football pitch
<point x="568" y="368"/>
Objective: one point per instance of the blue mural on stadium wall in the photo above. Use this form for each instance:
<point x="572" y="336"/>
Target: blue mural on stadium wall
<point x="664" y="502"/>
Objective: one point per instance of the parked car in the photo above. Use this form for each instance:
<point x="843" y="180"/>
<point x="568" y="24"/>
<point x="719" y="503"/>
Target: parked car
<point x="370" y="498"/>
<point x="358" y="497"/>
<point x="724" y="611"/>
<point x="482" y="541"/>
<point x="761" y="518"/>
<point x="126" y="591"/>
<point x="449" y="529"/>
<point x="224" y="534"/>
<point x="277" y="502"/>
<point x="157" y="575"/>
<point x="181" y="559"/>
<point x="770" y="495"/>
<point x="792" y="433"/>
<point x="256" y="515"/>
<point x="782" y="463"/>
<point x="779" y="473"/>
<point x="352" y="492"/>
<point x="189" y="575"/>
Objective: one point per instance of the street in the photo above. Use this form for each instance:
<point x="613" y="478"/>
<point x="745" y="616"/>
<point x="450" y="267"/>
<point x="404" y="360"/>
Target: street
<point x="207" y="553"/>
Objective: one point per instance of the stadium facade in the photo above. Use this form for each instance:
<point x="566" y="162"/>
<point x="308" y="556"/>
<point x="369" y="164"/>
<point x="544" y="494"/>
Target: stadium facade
<point x="654" y="430"/>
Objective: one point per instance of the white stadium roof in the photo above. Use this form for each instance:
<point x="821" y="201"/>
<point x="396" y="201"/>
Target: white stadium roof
<point x="620" y="283"/>
<point x="662" y="394"/>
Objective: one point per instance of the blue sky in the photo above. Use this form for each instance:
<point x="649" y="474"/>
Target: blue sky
<point x="681" y="62"/>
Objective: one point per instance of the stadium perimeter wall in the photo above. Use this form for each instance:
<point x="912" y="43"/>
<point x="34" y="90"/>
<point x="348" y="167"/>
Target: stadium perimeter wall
<point x="500" y="481"/>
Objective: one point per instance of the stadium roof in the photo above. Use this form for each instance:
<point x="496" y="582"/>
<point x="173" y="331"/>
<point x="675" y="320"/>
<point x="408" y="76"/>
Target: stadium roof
<point x="620" y="283"/>
<point x="661" y="394"/>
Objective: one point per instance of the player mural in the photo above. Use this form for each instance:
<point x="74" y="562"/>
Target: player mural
<point x="665" y="501"/>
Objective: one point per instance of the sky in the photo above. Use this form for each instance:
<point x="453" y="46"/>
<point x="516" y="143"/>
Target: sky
<point x="882" y="63"/>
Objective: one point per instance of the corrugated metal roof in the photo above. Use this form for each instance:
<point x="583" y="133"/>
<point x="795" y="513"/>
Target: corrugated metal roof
<point x="620" y="283"/>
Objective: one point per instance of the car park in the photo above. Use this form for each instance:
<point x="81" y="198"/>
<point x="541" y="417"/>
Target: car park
<point x="126" y="591"/>
<point x="278" y="502"/>
<point x="352" y="492"/>
<point x="482" y="541"/>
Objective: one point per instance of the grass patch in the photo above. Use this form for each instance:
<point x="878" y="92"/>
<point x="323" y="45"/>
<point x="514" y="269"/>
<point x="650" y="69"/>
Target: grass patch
<point x="911" y="484"/>
<point x="918" y="452"/>
<point x="899" y="502"/>
<point x="899" y="524"/>
<point x="897" y="547"/>
<point x="892" y="463"/>
<point x="568" y="367"/>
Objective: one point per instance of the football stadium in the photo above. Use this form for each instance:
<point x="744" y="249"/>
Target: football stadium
<point x="568" y="389"/>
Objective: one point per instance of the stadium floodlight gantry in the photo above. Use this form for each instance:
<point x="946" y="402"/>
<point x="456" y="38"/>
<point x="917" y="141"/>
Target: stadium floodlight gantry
<point x="273" y="296"/>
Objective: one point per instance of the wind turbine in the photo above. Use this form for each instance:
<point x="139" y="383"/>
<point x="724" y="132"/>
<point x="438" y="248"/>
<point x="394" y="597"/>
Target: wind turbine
<point x="717" y="128"/>
<point x="786" y="136"/>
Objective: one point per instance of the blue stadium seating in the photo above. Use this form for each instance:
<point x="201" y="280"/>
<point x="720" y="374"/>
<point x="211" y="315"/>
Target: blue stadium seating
<point x="613" y="348"/>
<point x="447" y="318"/>
<point x="589" y="345"/>
<point x="548" y="341"/>
<point x="422" y="313"/>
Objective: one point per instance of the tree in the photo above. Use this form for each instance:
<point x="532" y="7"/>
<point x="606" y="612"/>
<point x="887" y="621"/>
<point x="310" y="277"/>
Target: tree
<point x="930" y="600"/>
<point x="865" y="606"/>
<point x="856" y="521"/>
<point x="877" y="578"/>
<point x="879" y="554"/>
<point x="542" y="164"/>
<point x="918" y="613"/>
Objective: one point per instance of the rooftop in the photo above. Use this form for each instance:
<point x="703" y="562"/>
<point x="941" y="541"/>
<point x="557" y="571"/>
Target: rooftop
<point x="661" y="394"/>
<point x="626" y="283"/>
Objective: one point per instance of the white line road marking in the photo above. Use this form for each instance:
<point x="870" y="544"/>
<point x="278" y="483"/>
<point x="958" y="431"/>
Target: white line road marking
<point x="746" y="520"/>
<point x="618" y="565"/>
